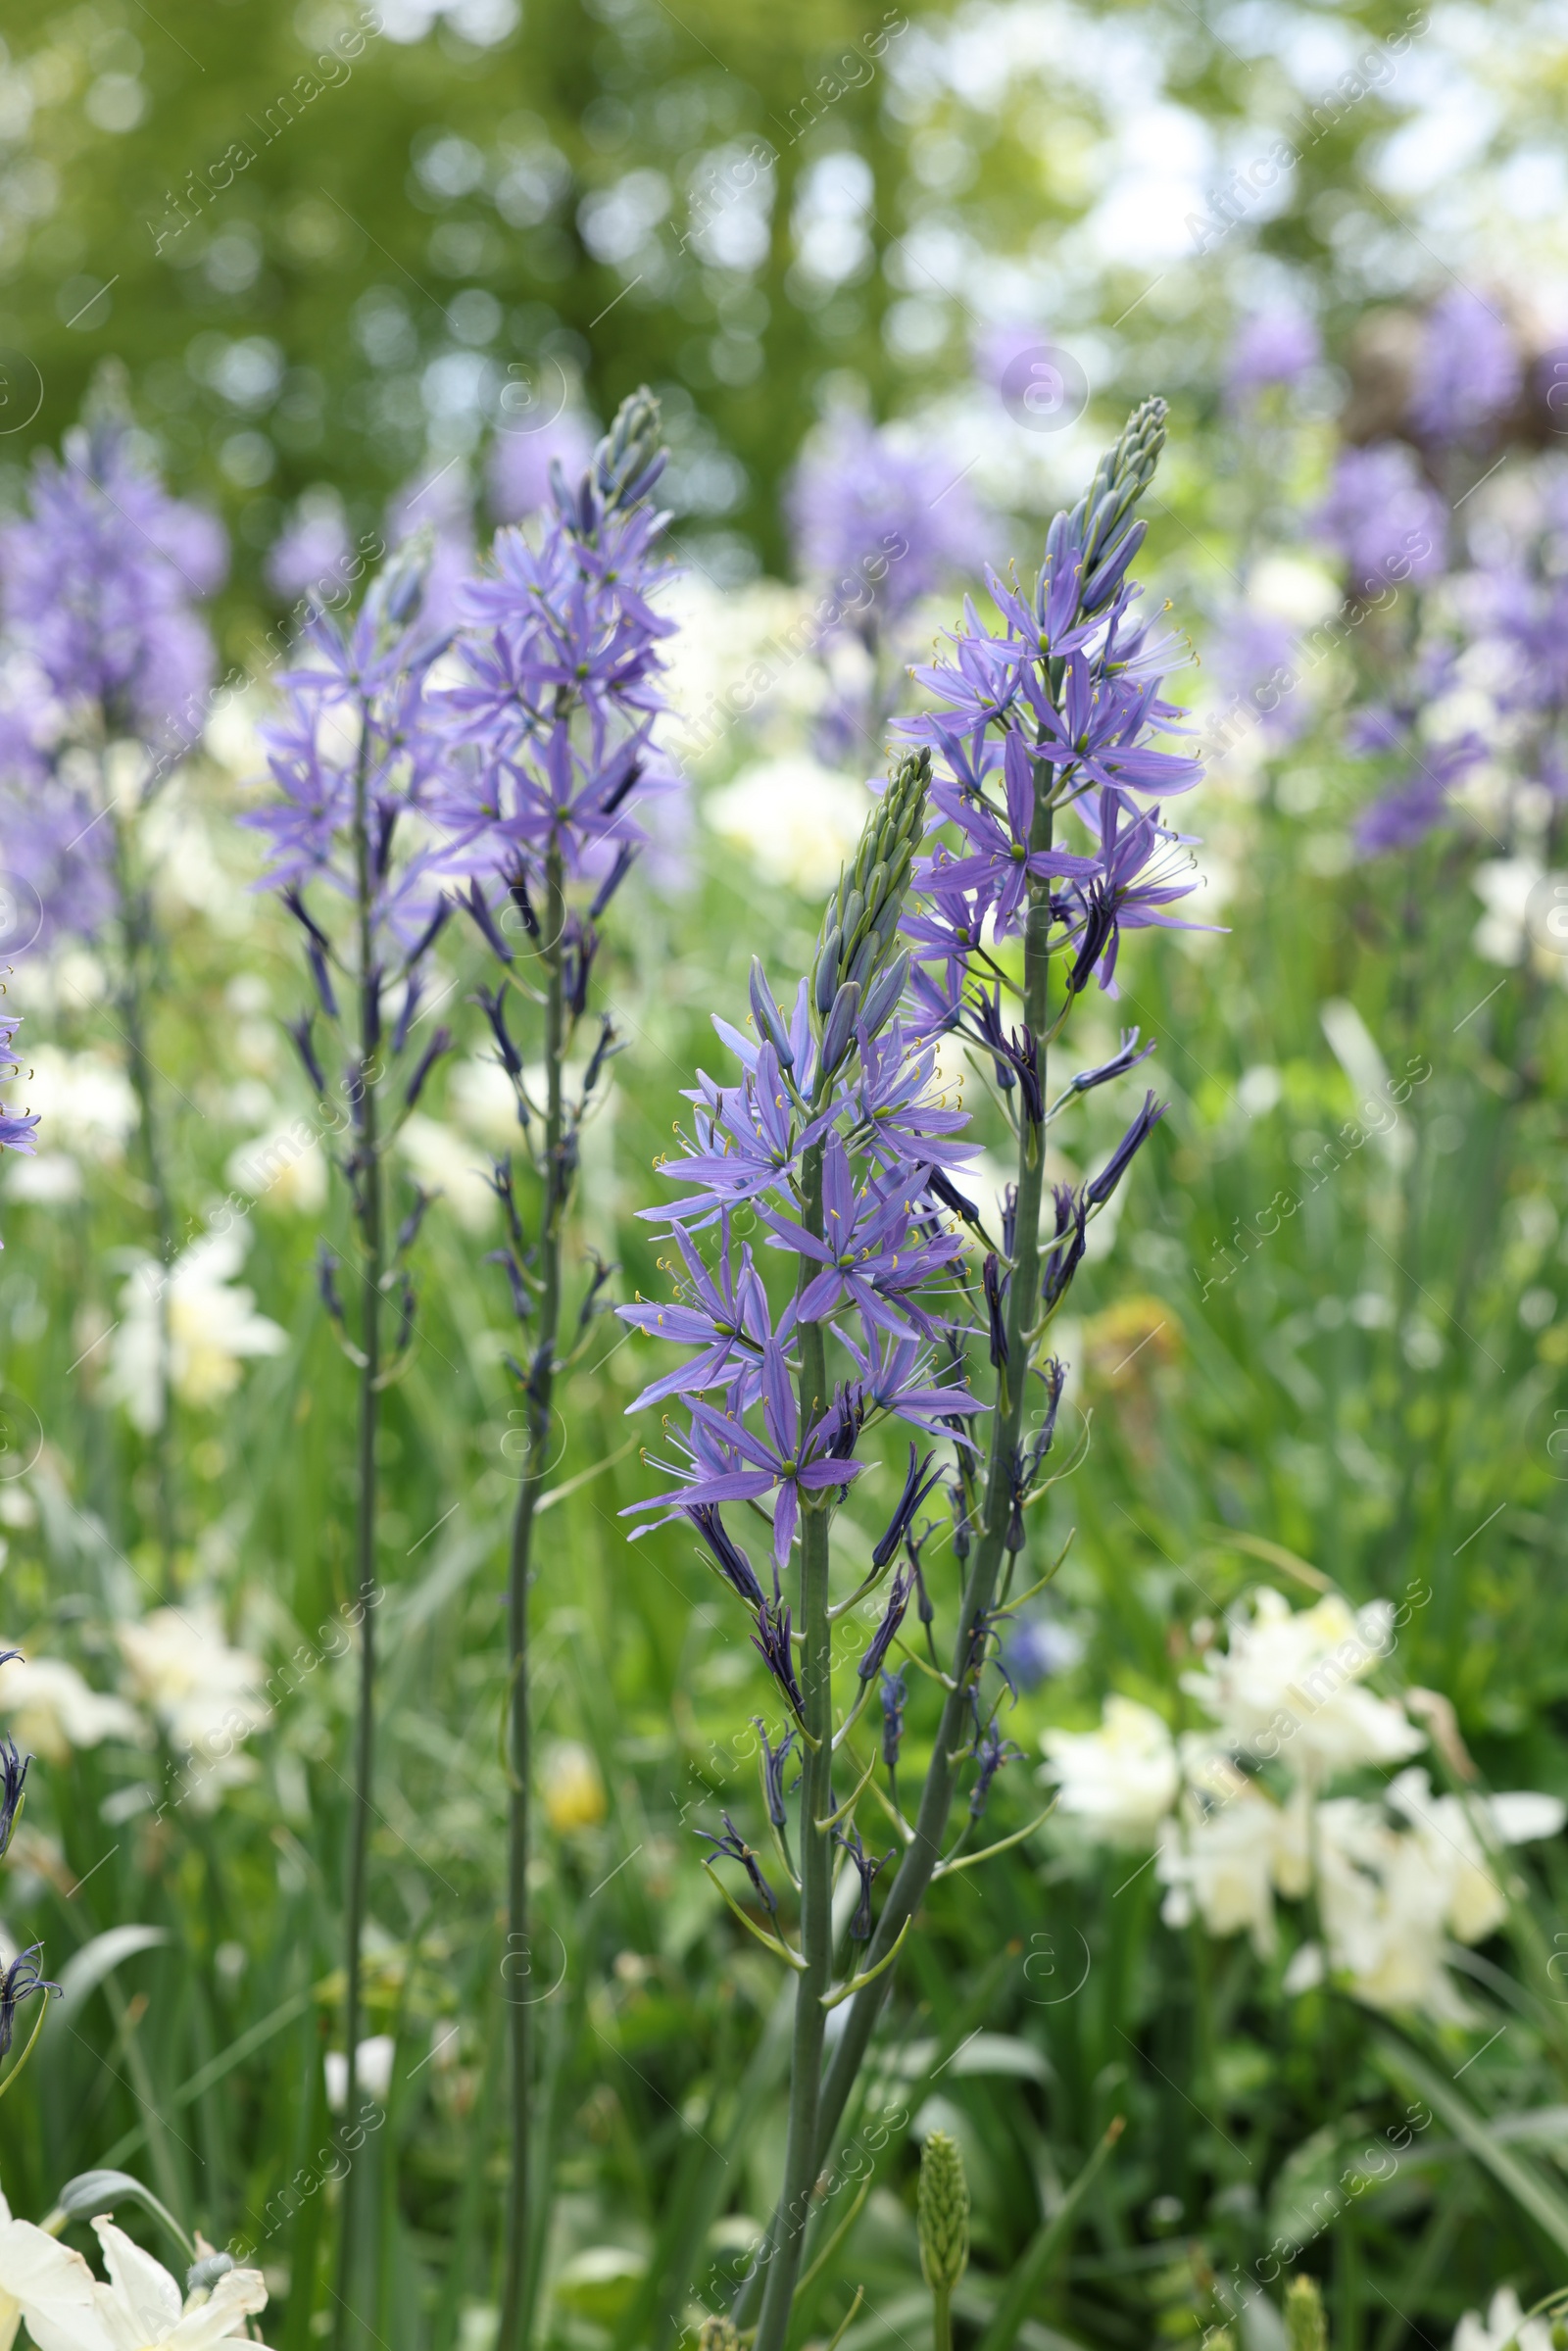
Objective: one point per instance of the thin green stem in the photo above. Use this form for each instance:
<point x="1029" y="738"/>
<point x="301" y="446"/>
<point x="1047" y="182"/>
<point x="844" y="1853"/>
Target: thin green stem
<point x="816" y="1871"/>
<point x="136" y="943"/>
<point x="518" y="2294"/>
<point x="941" y="2318"/>
<point x="370" y="1211"/>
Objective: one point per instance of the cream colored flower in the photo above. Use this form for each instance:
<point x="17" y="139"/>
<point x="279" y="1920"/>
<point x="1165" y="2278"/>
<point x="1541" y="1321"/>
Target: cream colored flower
<point x="1120" y="1780"/>
<point x="1456" y="1833"/>
<point x="213" y="1327"/>
<point x="1288" y="1685"/>
<point x="1505" y="2324"/>
<point x="1383" y="1908"/>
<point x="207" y="1695"/>
<point x="44" y="2283"/>
<point x="574" y="1793"/>
<point x="140" y="2307"/>
<point x="1220" y="1865"/>
<point x="52" y="1711"/>
<point x="286" y="1167"/>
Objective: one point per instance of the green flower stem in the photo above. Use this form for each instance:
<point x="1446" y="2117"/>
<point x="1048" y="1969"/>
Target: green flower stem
<point x="370" y="1209"/>
<point x="517" y="2293"/>
<point x="817" y="1872"/>
<point x="137" y="943"/>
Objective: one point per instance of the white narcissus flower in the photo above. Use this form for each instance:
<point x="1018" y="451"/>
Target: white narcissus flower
<point x="796" y="819"/>
<point x="44" y="2283"/>
<point x="1456" y="1833"/>
<point x="1288" y="1685"/>
<point x="213" y="1327"/>
<point x="1505" y="2324"/>
<point x="52" y="1711"/>
<point x="207" y="1695"/>
<point x="1226" y="1860"/>
<point x="1120" y="1780"/>
<point x="140" y="2307"/>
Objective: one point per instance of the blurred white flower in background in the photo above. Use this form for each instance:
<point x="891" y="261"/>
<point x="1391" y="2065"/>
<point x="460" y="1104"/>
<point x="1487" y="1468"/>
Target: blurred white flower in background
<point x="1122" y="1779"/>
<point x="447" y="1162"/>
<point x="372" y="2071"/>
<point x="1504" y="2325"/>
<point x="90" y="1110"/>
<point x="797" y="820"/>
<point x="44" y="2283"/>
<point x="50" y="1709"/>
<point x="207" y="1695"/>
<point x="1292" y="1681"/>
<point x="213" y="1327"/>
<point x="286" y="1167"/>
<point x="1397" y="1878"/>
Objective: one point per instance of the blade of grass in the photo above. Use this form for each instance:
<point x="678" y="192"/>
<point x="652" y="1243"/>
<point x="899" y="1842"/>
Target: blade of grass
<point x="1013" y="2307"/>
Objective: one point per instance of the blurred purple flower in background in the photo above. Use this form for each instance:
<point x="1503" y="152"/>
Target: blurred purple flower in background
<point x="521" y="463"/>
<point x="879" y="521"/>
<point x="1468" y="373"/>
<point x="312" y="554"/>
<point x="1387" y="523"/>
<point x="99" y="578"/>
<point x="1250" y="656"/>
<point x="438" y="502"/>
<point x="1272" y="347"/>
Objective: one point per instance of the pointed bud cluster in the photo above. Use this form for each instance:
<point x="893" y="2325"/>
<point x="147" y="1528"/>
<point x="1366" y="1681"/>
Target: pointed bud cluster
<point x="1305" y="2328"/>
<point x="1121" y="477"/>
<point x="941" y="2212"/>
<point x="859" y="973"/>
<point x="628" y="461"/>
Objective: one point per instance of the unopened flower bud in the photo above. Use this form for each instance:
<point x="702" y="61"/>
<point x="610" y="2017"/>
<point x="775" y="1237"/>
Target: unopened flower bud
<point x="717" y="2334"/>
<point x="1305" y="2328"/>
<point x="941" y="2212"/>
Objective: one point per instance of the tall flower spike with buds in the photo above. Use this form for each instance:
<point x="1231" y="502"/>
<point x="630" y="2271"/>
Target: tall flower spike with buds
<point x="354" y="756"/>
<point x="1056" y="713"/>
<point x="554" y="733"/>
<point x="942" y="2219"/>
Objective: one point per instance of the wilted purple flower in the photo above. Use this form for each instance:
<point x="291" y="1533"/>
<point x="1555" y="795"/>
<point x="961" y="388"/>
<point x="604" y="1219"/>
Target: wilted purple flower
<point x="1468" y="372"/>
<point x="1387" y="523"/>
<point x="1271" y="347"/>
<point x="20" y="1981"/>
<point x="879" y="522"/>
<point x="734" y="1848"/>
<point x="521" y="463"/>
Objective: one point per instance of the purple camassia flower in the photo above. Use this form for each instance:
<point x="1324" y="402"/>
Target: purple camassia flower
<point x="98" y="579"/>
<point x="1468" y="373"/>
<point x="902" y="1122"/>
<point x="1249" y="650"/>
<point x="357" y="706"/>
<point x="1387" y="523"/>
<point x="861" y="499"/>
<point x="521" y="463"/>
<point x="1272" y="347"/>
<point x="567" y="635"/>
<point x="728" y="1318"/>
<point x="876" y="1246"/>
<point x="895" y="1378"/>
<point x="15" y="1129"/>
<point x="731" y="1464"/>
<point x="1098" y="743"/>
<point x="312" y="555"/>
<point x="1141" y="869"/>
<point x="745" y="1138"/>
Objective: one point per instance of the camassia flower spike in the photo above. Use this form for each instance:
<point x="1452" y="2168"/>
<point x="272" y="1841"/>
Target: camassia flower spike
<point x="1020" y="830"/>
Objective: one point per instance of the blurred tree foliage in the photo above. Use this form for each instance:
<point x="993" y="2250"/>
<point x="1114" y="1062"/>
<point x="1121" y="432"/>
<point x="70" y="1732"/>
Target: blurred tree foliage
<point x="331" y="252"/>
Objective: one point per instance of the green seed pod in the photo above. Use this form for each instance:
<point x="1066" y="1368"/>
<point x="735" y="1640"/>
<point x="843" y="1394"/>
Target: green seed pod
<point x="1305" y="2328"/>
<point x="943" y="2214"/>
